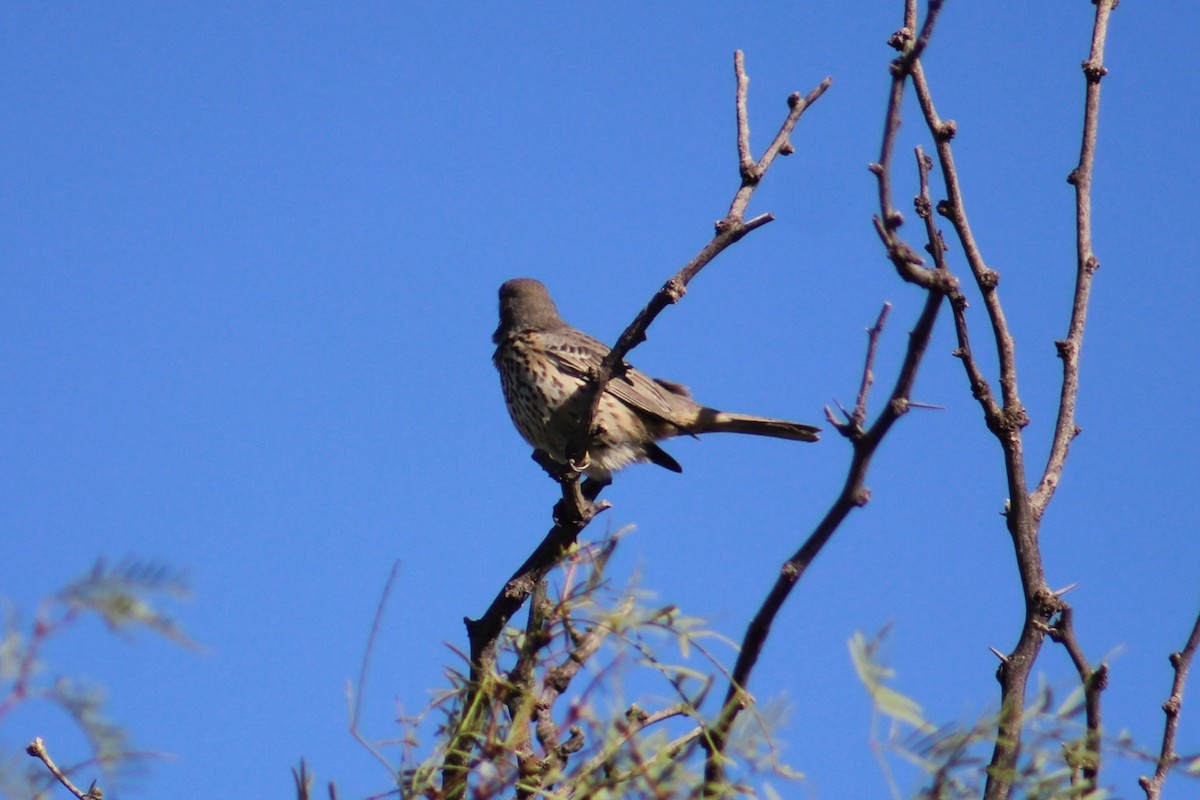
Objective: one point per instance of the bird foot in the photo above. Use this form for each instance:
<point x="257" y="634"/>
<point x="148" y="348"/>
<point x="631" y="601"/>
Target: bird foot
<point x="555" y="469"/>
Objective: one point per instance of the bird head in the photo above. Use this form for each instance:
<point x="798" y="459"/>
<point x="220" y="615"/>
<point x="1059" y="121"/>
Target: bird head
<point x="525" y="305"/>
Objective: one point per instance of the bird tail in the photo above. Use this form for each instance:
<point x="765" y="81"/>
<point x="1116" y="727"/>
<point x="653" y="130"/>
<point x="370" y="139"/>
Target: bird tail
<point x="710" y="420"/>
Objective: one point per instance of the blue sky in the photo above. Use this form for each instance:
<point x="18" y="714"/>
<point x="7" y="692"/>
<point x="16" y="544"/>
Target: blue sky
<point x="249" y="256"/>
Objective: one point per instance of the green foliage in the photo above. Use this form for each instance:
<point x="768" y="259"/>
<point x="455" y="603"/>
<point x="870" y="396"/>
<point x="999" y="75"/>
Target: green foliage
<point x="598" y="696"/>
<point x="125" y="598"/>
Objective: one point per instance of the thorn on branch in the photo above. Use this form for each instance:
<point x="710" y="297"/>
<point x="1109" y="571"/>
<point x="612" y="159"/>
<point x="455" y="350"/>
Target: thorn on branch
<point x="844" y="428"/>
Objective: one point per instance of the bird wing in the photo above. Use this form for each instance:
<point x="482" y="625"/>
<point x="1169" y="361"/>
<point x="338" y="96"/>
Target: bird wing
<point x="634" y="388"/>
<point x="644" y="393"/>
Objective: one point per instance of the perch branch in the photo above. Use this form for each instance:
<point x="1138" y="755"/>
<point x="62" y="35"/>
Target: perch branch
<point x="729" y="230"/>
<point x="575" y="510"/>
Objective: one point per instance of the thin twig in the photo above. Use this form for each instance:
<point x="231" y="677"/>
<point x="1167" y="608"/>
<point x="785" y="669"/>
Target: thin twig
<point x="852" y="428"/>
<point x="868" y="377"/>
<point x="729" y="230"/>
<point x="1086" y="264"/>
<point x="1167" y="758"/>
<point x="908" y="264"/>
<point x="356" y="708"/>
<point x="1009" y="419"/>
<point x="37" y="749"/>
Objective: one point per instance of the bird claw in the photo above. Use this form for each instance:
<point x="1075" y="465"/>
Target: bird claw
<point x="555" y="469"/>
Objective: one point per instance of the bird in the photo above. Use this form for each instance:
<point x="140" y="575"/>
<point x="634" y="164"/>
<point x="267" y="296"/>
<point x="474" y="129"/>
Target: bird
<point x="544" y="366"/>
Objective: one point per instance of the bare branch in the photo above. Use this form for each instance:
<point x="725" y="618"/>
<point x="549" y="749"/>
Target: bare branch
<point x="1086" y="264"/>
<point x="868" y="378"/>
<point x="1023" y="511"/>
<point x="853" y="427"/>
<point x="1013" y="416"/>
<point x="745" y="159"/>
<point x="1167" y="758"/>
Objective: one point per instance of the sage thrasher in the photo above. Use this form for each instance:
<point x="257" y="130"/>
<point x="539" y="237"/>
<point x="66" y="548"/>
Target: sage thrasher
<point x="544" y="365"/>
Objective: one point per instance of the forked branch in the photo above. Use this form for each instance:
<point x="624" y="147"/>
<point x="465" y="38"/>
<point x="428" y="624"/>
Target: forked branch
<point x="1045" y="611"/>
